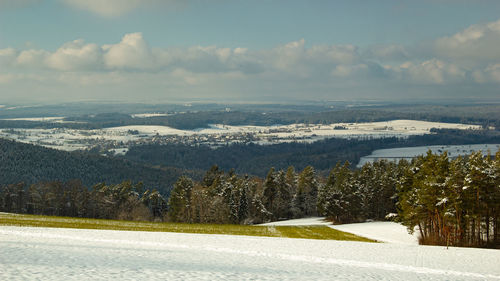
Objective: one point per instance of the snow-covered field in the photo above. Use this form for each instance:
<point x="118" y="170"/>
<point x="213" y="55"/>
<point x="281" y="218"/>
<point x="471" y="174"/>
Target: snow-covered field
<point x="411" y="152"/>
<point x="71" y="139"/>
<point x="73" y="254"/>
<point x="49" y="119"/>
<point x="385" y="231"/>
<point x="37" y="119"/>
<point x="148" y="115"/>
<point x="381" y="129"/>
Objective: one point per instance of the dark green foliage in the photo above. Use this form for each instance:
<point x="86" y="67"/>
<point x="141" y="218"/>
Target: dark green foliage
<point x="124" y="201"/>
<point x="179" y="202"/>
<point x="453" y="202"/>
<point x="377" y="188"/>
<point x="256" y="159"/>
<point x="32" y="164"/>
<point x="228" y="198"/>
<point x="270" y="193"/>
<point x="307" y="186"/>
<point x="340" y="199"/>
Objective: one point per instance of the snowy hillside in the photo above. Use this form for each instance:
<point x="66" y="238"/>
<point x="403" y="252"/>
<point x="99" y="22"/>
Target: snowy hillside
<point x="71" y="254"/>
<point x="384" y="231"/>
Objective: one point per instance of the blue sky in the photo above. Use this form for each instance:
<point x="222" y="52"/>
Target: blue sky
<point x="262" y="50"/>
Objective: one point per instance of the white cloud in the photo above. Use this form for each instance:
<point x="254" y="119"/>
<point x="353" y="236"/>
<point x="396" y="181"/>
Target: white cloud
<point x="214" y="59"/>
<point x="132" y="52"/>
<point x="290" y="69"/>
<point x="295" y="58"/>
<point x="288" y="57"/>
<point x="285" y="62"/>
<point x="491" y="74"/>
<point x="476" y="44"/>
<point x="32" y="58"/>
<point x="349" y="70"/>
<point x="432" y="71"/>
<point x="388" y="53"/>
<point x="333" y="54"/>
<point x="7" y="56"/>
<point x="76" y="55"/>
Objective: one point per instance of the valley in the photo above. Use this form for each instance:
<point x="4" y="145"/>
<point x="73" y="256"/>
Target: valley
<point x="117" y="140"/>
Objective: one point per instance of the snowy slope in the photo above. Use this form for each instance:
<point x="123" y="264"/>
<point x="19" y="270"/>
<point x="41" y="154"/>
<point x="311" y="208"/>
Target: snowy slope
<point x="390" y="232"/>
<point x="384" y="231"/>
<point x="71" y="254"/>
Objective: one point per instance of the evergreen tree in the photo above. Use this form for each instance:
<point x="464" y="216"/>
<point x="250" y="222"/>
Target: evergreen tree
<point x="270" y="193"/>
<point x="308" y="187"/>
<point x="180" y="200"/>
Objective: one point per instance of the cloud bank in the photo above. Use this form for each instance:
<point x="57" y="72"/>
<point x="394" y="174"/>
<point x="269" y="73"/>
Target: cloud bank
<point x="465" y="60"/>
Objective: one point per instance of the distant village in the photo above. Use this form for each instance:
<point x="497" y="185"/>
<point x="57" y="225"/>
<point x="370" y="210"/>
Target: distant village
<point x="117" y="140"/>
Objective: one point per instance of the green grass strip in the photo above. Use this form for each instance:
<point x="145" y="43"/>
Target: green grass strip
<point x="305" y="232"/>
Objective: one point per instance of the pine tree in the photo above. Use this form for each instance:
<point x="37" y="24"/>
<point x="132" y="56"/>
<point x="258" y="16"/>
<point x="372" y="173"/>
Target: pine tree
<point x="180" y="200"/>
<point x="308" y="187"/>
<point x="270" y="193"/>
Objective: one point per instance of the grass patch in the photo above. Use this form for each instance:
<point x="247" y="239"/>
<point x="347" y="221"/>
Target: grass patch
<point x="306" y="232"/>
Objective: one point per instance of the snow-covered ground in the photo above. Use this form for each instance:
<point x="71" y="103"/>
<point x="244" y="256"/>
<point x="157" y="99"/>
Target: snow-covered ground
<point x="37" y="119"/>
<point x="49" y="119"/>
<point x="384" y="231"/>
<point x="411" y="152"/>
<point x="148" y="115"/>
<point x="71" y="139"/>
<point x="71" y="254"/>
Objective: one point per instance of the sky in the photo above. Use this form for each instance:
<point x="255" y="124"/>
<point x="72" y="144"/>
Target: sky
<point x="156" y="51"/>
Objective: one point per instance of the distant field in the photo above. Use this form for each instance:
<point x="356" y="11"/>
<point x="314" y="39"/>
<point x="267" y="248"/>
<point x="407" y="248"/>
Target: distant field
<point x="306" y="232"/>
<point x="70" y="139"/>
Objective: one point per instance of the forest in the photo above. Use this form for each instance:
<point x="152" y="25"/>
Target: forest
<point x="20" y="162"/>
<point x="255" y="159"/>
<point x="452" y="202"/>
<point x="160" y="166"/>
<point x="189" y="119"/>
<point x="123" y="201"/>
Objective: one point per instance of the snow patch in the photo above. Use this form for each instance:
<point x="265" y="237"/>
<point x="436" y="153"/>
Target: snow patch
<point x="384" y="231"/>
<point x="148" y="115"/>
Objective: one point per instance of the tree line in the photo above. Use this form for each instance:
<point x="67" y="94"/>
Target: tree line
<point x="447" y="201"/>
<point x="124" y="201"/>
<point x="20" y="162"/>
<point x="452" y="202"/>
